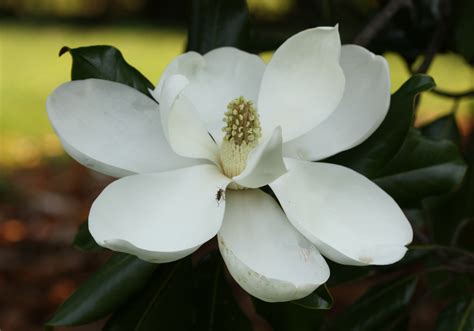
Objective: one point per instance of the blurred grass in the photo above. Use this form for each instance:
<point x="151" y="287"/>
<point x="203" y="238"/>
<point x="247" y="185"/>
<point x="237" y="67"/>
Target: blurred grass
<point x="30" y="69"/>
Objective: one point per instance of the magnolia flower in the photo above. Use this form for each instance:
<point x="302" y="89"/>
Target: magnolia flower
<point x="188" y="175"/>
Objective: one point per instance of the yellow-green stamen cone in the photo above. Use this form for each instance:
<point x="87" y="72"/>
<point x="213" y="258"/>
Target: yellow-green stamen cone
<point x="242" y="132"/>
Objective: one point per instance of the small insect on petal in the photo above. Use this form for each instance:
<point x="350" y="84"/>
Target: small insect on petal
<point x="220" y="195"/>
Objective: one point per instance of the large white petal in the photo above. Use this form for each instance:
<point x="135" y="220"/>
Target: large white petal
<point x="349" y="218"/>
<point x="362" y="108"/>
<point x="182" y="125"/>
<point x="265" y="163"/>
<point x="303" y="83"/>
<point x="185" y="64"/>
<point x="170" y="90"/>
<point x="187" y="134"/>
<point x="111" y="128"/>
<point x="159" y="217"/>
<point x="264" y="253"/>
<point x="216" y="79"/>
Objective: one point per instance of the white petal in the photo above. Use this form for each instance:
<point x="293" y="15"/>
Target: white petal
<point x="170" y="90"/>
<point x="159" y="217"/>
<point x="303" y="83"/>
<point x="185" y="64"/>
<point x="363" y="107"/>
<point x="216" y="79"/>
<point x="187" y="134"/>
<point x="111" y="128"/>
<point x="182" y="125"/>
<point x="264" y="253"/>
<point x="349" y="218"/>
<point x="265" y="163"/>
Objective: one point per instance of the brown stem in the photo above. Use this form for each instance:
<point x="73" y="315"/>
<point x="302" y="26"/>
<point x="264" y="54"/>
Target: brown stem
<point x="433" y="47"/>
<point x="455" y="95"/>
<point x="438" y="37"/>
<point x="379" y="21"/>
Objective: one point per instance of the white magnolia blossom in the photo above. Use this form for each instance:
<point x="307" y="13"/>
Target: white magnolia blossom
<point x="187" y="175"/>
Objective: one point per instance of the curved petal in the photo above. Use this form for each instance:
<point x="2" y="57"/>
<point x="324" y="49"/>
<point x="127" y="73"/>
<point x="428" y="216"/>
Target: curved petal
<point x="216" y="79"/>
<point x="187" y="134"/>
<point x="159" y="217"/>
<point x="363" y="107"/>
<point x="265" y="163"/>
<point x="185" y="64"/>
<point x="349" y="218"/>
<point x="111" y="128"/>
<point x="303" y="83"/>
<point x="170" y="90"/>
<point x="182" y="125"/>
<point x="264" y="253"/>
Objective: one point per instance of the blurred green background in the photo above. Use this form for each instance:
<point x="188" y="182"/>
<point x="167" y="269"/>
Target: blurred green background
<point x="32" y="32"/>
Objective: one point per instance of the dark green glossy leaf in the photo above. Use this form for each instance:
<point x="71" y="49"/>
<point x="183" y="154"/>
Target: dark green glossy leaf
<point x="383" y="144"/>
<point x="215" y="305"/>
<point x="444" y="214"/>
<point x="444" y="128"/>
<point x="84" y="240"/>
<point x="105" y="62"/>
<point x="164" y="304"/>
<point x="111" y="286"/>
<point x="457" y="316"/>
<point x="451" y="215"/>
<point x="218" y="23"/>
<point x="319" y="299"/>
<point x="422" y="168"/>
<point x="376" y="309"/>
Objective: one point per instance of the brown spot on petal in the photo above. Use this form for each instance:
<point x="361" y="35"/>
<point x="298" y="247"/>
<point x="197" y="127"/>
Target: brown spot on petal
<point x="366" y="259"/>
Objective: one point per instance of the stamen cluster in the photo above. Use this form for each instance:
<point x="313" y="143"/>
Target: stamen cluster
<point x="242" y="123"/>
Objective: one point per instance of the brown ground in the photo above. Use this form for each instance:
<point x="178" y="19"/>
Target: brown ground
<point x="40" y="210"/>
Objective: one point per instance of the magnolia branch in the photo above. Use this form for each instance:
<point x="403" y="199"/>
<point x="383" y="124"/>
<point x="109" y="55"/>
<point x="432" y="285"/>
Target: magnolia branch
<point x="433" y="47"/>
<point x="435" y="44"/>
<point x="379" y="21"/>
<point x="455" y="95"/>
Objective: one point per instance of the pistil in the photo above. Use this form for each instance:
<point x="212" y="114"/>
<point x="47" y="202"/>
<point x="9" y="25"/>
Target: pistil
<point x="242" y="132"/>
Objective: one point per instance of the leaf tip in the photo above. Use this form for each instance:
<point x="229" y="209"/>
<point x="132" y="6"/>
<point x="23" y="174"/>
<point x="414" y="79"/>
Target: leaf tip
<point x="63" y="50"/>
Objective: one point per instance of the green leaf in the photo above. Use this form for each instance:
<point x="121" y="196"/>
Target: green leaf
<point x="450" y="215"/>
<point x="444" y="214"/>
<point x="165" y="304"/>
<point x="377" y="308"/>
<point x="457" y="316"/>
<point x="111" y="286"/>
<point x="218" y="23"/>
<point x="383" y="144"/>
<point x="444" y="128"/>
<point x="84" y="240"/>
<point x="105" y="62"/>
<point x="215" y="305"/>
<point x="319" y="299"/>
<point x="422" y="168"/>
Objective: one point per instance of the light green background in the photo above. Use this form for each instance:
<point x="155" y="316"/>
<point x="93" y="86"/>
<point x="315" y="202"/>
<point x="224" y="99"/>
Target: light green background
<point x="30" y="69"/>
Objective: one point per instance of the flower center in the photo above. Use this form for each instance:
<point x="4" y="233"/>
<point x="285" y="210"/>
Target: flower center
<point x="242" y="131"/>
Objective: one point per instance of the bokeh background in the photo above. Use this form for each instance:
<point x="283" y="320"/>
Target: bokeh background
<point x="44" y="195"/>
